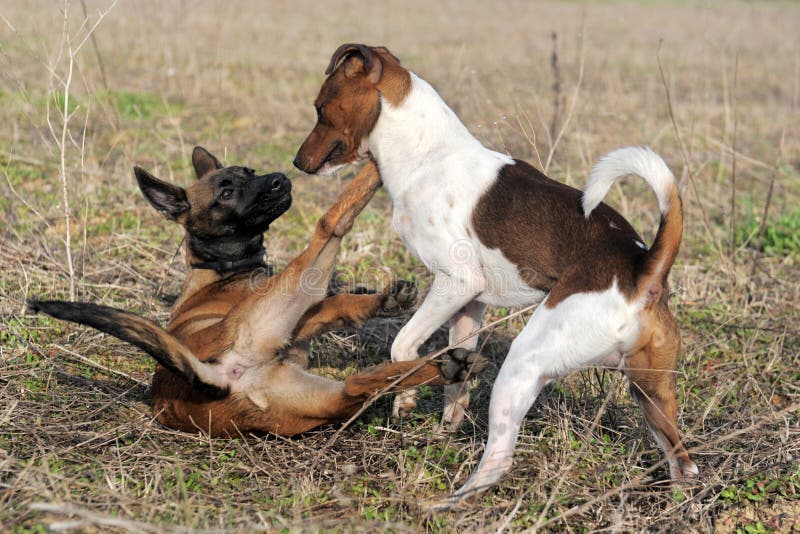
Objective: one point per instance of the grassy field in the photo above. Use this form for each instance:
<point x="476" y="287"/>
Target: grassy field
<point x="713" y="87"/>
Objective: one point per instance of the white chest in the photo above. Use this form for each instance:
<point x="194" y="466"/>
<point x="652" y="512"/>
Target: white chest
<point x="435" y="172"/>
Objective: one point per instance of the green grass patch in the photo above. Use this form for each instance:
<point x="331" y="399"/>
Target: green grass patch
<point x="780" y="237"/>
<point x="764" y="488"/>
<point x="135" y="105"/>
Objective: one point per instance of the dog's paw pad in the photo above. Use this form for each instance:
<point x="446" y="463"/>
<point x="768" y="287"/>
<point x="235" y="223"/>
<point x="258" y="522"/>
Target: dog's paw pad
<point x="361" y="290"/>
<point x="404" y="404"/>
<point x="400" y="296"/>
<point x="458" y="364"/>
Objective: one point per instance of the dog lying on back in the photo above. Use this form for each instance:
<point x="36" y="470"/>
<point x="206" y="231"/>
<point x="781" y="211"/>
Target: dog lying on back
<point x="224" y="365"/>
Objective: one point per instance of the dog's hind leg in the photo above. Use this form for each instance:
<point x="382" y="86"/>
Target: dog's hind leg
<point x="456" y="396"/>
<point x="295" y="401"/>
<point x="651" y="371"/>
<point x="521" y="378"/>
<point x="455" y="365"/>
<point x="569" y="336"/>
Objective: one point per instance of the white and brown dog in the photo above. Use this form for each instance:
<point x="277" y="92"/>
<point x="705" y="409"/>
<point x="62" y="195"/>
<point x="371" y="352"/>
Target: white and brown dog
<point x="494" y="230"/>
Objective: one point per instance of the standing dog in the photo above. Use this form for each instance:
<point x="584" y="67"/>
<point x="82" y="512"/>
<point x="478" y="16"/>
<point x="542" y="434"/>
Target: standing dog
<point x="494" y="230"/>
<point x="223" y="366"/>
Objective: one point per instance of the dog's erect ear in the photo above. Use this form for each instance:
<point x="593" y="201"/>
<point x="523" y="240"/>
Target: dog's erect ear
<point x="169" y="199"/>
<point x="204" y="162"/>
<point x="359" y="59"/>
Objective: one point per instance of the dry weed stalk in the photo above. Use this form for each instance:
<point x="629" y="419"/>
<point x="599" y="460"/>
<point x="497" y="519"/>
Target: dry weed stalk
<point x="65" y="84"/>
<point x="573" y="102"/>
<point x="96" y="49"/>
<point x="685" y="155"/>
<point x="557" y="96"/>
<point x="733" y="184"/>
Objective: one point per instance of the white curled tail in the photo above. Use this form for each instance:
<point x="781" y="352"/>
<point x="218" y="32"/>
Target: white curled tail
<point x="640" y="161"/>
<point x="645" y="163"/>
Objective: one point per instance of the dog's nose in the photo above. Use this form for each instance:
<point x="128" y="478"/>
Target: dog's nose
<point x="277" y="181"/>
<point x="297" y="163"/>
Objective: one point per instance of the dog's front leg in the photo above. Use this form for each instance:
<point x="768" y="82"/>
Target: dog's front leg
<point x="348" y="309"/>
<point x="319" y="255"/>
<point x="446" y="296"/>
<point x="271" y="320"/>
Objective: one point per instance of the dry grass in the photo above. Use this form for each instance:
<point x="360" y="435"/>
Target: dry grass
<point x="78" y="447"/>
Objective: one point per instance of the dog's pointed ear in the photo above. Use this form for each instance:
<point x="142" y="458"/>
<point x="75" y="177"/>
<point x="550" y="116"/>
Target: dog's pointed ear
<point x="204" y="162"/>
<point x="168" y="199"/>
<point x="358" y="60"/>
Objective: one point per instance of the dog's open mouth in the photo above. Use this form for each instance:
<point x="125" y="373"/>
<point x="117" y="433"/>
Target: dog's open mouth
<point x="276" y="205"/>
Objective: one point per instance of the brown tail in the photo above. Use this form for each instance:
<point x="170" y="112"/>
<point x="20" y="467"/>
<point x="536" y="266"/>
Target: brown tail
<point x="143" y="333"/>
<point x="659" y="259"/>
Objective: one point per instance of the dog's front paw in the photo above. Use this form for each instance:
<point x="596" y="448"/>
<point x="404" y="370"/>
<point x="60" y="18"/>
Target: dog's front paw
<point x="458" y="364"/>
<point x="398" y="297"/>
<point x="404" y="404"/>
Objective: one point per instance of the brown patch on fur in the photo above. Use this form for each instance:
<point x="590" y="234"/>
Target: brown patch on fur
<point x="348" y="104"/>
<point x="538" y="224"/>
<point x="395" y="84"/>
<point x="651" y="370"/>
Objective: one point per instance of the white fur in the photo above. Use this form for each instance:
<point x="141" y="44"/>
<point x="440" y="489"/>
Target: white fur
<point x="568" y="337"/>
<point x="435" y="172"/>
<point x="640" y="161"/>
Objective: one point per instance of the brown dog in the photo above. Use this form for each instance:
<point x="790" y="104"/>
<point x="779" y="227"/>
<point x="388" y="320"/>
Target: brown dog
<point x="223" y="367"/>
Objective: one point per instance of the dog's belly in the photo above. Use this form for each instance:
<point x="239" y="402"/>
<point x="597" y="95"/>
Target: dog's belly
<point x="433" y="211"/>
<point x="504" y="286"/>
<point x="444" y="245"/>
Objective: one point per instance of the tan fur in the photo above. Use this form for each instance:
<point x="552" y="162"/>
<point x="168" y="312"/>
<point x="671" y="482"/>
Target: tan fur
<point x="226" y="361"/>
<point x="651" y="369"/>
<point x="280" y="397"/>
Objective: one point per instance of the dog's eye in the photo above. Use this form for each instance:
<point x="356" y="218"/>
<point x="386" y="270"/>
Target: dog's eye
<point x="319" y="113"/>
<point x="226" y="194"/>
